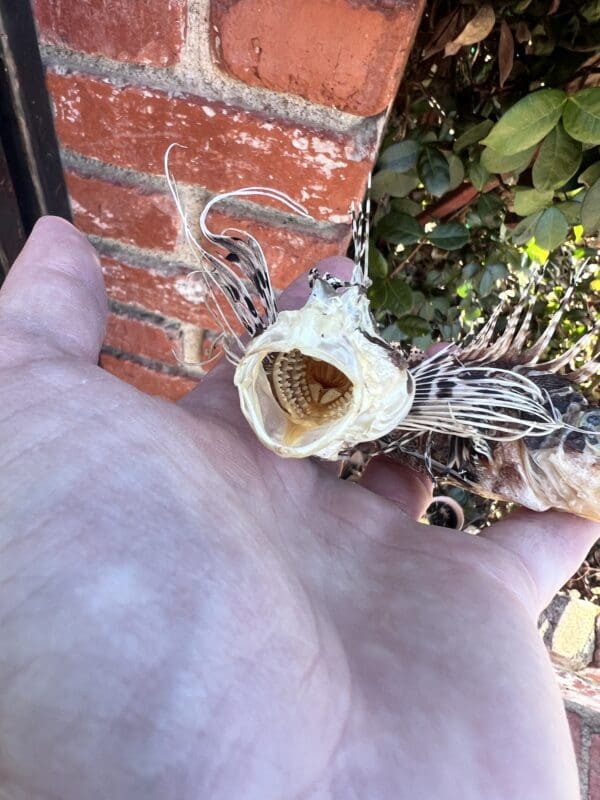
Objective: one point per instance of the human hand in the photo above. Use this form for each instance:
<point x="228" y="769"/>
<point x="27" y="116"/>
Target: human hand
<point x="185" y="615"/>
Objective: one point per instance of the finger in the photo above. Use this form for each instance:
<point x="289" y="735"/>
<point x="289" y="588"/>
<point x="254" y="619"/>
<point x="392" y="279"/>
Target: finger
<point x="410" y="490"/>
<point x="53" y="301"/>
<point x="550" y="546"/>
<point x="216" y="393"/>
<point x="436" y="347"/>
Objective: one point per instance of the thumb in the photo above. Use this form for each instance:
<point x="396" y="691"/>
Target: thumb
<point x="408" y="489"/>
<point x="53" y="301"/>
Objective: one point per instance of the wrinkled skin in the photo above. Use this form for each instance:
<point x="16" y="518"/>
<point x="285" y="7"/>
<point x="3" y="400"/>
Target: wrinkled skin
<point x="185" y="615"/>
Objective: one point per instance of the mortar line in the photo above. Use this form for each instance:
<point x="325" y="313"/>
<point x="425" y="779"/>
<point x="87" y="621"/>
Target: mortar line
<point x="93" y="168"/>
<point x="155" y="365"/>
<point x="361" y="132"/>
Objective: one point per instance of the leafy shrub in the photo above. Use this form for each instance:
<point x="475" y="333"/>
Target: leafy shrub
<point x="486" y="166"/>
<point x="489" y="167"/>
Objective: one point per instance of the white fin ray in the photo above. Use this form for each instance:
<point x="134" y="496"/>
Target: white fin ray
<point x="457" y="399"/>
<point x="249" y="294"/>
<point x="535" y="352"/>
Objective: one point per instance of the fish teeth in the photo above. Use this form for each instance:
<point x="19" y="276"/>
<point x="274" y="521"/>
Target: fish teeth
<point x="309" y="389"/>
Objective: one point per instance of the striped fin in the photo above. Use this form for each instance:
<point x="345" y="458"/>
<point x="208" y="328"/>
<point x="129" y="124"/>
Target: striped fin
<point x="241" y="277"/>
<point x="360" y="216"/>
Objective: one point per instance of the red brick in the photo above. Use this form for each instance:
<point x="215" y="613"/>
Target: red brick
<point x="143" y="338"/>
<point x="151" y="32"/>
<point x="227" y="147"/>
<point x="575" y="726"/>
<point x="126" y="213"/>
<point x="153" y="291"/>
<point x="594" y="769"/>
<point x="171" y="387"/>
<point x="341" y="53"/>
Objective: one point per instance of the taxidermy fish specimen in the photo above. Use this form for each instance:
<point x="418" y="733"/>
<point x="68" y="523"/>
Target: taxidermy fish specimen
<point x="487" y="414"/>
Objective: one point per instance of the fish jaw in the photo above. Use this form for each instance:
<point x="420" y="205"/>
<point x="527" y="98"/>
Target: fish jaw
<point x="333" y="336"/>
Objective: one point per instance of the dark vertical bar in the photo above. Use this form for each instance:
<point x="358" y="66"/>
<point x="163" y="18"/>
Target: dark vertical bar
<point x="26" y="127"/>
<point x="12" y="233"/>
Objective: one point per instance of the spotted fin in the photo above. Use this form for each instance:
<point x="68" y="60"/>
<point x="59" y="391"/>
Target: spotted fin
<point x="241" y="276"/>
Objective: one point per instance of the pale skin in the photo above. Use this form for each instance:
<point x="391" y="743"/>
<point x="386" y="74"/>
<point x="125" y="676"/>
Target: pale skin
<point x="185" y="615"/>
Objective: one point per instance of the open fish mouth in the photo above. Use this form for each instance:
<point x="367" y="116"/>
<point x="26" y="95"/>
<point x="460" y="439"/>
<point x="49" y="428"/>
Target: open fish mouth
<point x="303" y="406"/>
<point x="320" y="379"/>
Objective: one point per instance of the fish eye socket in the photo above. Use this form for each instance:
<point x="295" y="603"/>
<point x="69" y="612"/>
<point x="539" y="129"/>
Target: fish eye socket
<point x="311" y="392"/>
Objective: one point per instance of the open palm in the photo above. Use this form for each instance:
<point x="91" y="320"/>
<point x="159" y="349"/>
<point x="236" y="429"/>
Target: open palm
<point x="185" y="615"/>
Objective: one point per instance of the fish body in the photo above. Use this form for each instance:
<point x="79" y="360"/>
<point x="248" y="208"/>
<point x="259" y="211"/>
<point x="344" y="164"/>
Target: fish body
<point x="558" y="470"/>
<point x="486" y="414"/>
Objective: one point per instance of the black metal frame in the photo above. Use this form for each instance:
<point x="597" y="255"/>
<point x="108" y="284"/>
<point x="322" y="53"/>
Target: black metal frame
<point x="31" y="176"/>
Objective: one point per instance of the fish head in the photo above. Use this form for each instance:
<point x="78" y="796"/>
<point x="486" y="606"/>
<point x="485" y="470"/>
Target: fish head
<point x="320" y="379"/>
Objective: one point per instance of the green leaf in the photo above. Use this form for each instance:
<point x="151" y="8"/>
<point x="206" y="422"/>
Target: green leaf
<point x="440" y="304"/>
<point x="558" y="160"/>
<point x="590" y="175"/>
<point x="551" y="230"/>
<point x="591" y="11"/>
<point x="492" y="274"/>
<point x="393" y="295"/>
<point x="472" y="135"/>
<point x="493" y="161"/>
<point x="488" y="207"/>
<point x="528" y="201"/>
<point x="424" y="310"/>
<point x="465" y="289"/>
<point x="400" y="157"/>
<point x="536" y="253"/>
<point x="451" y="236"/>
<point x="426" y="137"/>
<point x="544" y="40"/>
<point x="486" y="283"/>
<point x="590" y="209"/>
<point x="405" y="206"/>
<point x="434" y="171"/>
<point x="457" y="171"/>
<point x="524" y="231"/>
<point x="392" y="333"/>
<point x="499" y="271"/>
<point x="412" y="325"/>
<point x="478" y="175"/>
<point x="399" y="229"/>
<point x="527" y="122"/>
<point x="378" y="265"/>
<point x="422" y="342"/>
<point x="571" y="211"/>
<point x="582" y="116"/>
<point x="470" y="269"/>
<point x="394" y="184"/>
<point x="471" y="313"/>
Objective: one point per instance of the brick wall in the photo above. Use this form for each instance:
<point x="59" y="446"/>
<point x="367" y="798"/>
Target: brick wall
<point x="581" y="693"/>
<point x="278" y="92"/>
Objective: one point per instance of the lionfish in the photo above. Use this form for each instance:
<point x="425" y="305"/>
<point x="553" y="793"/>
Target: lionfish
<point x="486" y="414"/>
